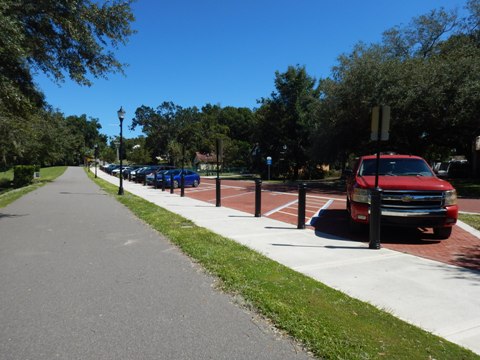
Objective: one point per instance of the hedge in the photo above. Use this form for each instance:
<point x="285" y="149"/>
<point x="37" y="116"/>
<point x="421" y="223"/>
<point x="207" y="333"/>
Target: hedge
<point x="23" y="175"/>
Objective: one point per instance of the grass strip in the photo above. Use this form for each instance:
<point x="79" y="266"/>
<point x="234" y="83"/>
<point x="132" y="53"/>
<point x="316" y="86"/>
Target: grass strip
<point x="331" y="324"/>
<point x="472" y="220"/>
<point x="46" y="175"/>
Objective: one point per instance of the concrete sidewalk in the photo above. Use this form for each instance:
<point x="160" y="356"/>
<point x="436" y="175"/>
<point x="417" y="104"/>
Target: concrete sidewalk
<point x="437" y="297"/>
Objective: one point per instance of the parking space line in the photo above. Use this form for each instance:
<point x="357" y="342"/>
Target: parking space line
<point x="226" y="186"/>
<point x="201" y="190"/>
<point x="281" y="207"/>
<point x="231" y="196"/>
<point x="317" y="214"/>
<point x="286" y="213"/>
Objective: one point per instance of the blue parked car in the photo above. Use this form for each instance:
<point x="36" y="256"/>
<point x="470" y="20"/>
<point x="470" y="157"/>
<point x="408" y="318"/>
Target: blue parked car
<point x="191" y="178"/>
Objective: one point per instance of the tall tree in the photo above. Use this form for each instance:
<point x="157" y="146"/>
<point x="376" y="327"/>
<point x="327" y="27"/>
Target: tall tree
<point x="286" y="118"/>
<point x="428" y="72"/>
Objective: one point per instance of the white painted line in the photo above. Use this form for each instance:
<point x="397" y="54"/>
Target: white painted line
<point x="227" y="186"/>
<point x="308" y="196"/>
<point x="280" y="207"/>
<point x="195" y="190"/>
<point x="286" y="213"/>
<point x="324" y="207"/>
<point x="231" y="196"/>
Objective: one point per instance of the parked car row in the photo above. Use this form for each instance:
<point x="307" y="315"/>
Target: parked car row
<point x="191" y="178"/>
<point x="146" y="174"/>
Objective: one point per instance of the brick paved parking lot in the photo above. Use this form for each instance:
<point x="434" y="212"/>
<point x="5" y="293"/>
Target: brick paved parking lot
<point x="325" y="212"/>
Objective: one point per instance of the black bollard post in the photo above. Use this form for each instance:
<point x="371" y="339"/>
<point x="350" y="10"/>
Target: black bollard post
<point x="302" y="200"/>
<point x="182" y="185"/>
<point x="258" y="197"/>
<point x="375" y="217"/>
<point x="155" y="183"/>
<point x="218" y="198"/>
<point x="171" y="184"/>
<point x="163" y="181"/>
<point x="129" y="176"/>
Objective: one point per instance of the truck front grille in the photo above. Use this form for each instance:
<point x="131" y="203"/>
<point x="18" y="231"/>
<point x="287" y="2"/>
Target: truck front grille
<point x="405" y="199"/>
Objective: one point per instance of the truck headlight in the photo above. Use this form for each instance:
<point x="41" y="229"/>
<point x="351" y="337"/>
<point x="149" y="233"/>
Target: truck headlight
<point x="450" y="197"/>
<point x="361" y="195"/>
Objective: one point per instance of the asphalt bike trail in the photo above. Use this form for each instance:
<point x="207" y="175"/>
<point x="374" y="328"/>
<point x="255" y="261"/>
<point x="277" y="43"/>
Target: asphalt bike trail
<point x="82" y="278"/>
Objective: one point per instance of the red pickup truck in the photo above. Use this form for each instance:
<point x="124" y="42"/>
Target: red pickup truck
<point x="411" y="194"/>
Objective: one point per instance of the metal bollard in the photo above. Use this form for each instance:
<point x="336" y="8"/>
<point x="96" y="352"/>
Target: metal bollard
<point x="182" y="185"/>
<point x="258" y="197"/>
<point x="163" y="182"/>
<point x="375" y="218"/>
<point x="155" y="184"/>
<point x="302" y="200"/>
<point x="129" y="176"/>
<point x="171" y="184"/>
<point x="218" y="198"/>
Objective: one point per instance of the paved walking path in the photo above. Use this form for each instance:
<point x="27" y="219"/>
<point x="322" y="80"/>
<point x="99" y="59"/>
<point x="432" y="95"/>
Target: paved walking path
<point x="437" y="297"/>
<point x="82" y="278"/>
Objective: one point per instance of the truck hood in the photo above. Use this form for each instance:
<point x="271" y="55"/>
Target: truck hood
<point x="405" y="183"/>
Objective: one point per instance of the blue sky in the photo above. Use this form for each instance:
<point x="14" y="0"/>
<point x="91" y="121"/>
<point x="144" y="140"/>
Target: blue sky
<point x="226" y="52"/>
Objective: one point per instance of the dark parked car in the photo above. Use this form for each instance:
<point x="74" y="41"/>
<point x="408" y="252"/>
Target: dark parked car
<point x="131" y="169"/>
<point x="141" y="174"/>
<point x="109" y="168"/>
<point x="454" y="169"/>
<point x="133" y="173"/>
<point x="161" y="169"/>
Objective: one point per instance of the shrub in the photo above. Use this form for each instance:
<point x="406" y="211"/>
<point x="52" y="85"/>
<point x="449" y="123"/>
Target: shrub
<point x="23" y="175"/>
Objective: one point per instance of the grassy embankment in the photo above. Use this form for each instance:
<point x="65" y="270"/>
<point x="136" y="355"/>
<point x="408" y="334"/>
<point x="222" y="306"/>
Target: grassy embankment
<point x="329" y="323"/>
<point x="8" y="194"/>
<point x="468" y="188"/>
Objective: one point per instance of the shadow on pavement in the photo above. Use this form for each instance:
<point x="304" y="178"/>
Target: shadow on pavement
<point x="335" y="223"/>
<point x="416" y="241"/>
<point x="11" y="215"/>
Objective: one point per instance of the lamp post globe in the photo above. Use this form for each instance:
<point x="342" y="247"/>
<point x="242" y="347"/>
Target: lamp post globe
<point x="121" y="116"/>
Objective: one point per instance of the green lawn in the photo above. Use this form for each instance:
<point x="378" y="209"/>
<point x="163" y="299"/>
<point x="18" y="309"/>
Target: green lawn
<point x="9" y="195"/>
<point x="472" y="220"/>
<point x="329" y="323"/>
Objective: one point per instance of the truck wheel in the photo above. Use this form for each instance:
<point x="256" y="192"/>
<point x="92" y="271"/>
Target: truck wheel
<point x="442" y="232"/>
<point x="175" y="184"/>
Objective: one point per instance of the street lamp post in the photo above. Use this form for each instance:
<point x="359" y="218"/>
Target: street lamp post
<point x="121" y="116"/>
<point x="96" y="156"/>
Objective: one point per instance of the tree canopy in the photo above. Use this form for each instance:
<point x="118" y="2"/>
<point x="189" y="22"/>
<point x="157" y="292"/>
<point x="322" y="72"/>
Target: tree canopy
<point x="61" y="38"/>
<point x="427" y="71"/>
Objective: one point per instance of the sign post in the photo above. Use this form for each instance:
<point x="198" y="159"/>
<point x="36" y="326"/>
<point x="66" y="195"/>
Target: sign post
<point x="269" y="164"/>
<point x="380" y="132"/>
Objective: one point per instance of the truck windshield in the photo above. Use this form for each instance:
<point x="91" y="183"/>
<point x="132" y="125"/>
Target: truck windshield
<point x="395" y="167"/>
